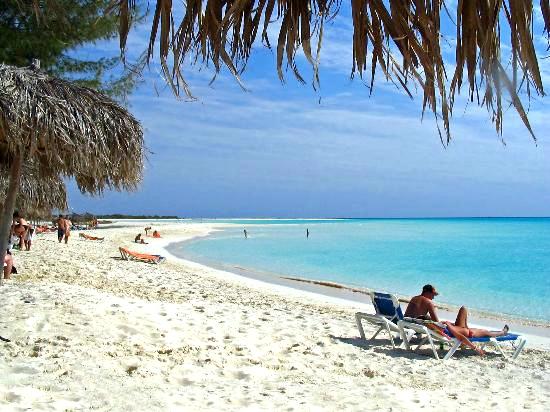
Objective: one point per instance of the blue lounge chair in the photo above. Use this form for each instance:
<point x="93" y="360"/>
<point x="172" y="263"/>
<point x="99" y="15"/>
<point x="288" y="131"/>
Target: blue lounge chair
<point x="420" y="327"/>
<point x="388" y="313"/>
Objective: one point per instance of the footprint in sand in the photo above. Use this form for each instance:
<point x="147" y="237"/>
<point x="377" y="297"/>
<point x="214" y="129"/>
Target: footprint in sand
<point x="128" y="329"/>
<point x="241" y="375"/>
<point x="12" y="397"/>
<point x="25" y="369"/>
<point x="185" y="382"/>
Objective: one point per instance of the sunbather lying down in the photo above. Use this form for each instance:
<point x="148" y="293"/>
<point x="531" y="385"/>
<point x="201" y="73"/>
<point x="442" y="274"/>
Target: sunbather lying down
<point x="422" y="307"/>
<point x="88" y="237"/>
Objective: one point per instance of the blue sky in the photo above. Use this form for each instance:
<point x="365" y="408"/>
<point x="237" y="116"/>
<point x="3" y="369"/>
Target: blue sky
<point x="288" y="151"/>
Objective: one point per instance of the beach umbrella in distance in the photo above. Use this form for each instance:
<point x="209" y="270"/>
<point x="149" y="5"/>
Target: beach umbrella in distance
<point x="66" y="130"/>
<point x="37" y="194"/>
<point x="400" y="39"/>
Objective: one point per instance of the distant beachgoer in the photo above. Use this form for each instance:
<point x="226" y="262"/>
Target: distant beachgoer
<point x="29" y="236"/>
<point x="138" y="239"/>
<point x="156" y="234"/>
<point x="422" y="307"/>
<point x="307" y="233"/>
<point x="60" y="228"/>
<point x="147" y="229"/>
<point x="245" y="234"/>
<point x="68" y="225"/>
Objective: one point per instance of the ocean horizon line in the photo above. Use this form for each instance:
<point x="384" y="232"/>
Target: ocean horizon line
<point x="364" y="218"/>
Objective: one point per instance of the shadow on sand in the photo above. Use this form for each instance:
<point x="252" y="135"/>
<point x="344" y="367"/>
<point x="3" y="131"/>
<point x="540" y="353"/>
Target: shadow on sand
<point x="424" y="353"/>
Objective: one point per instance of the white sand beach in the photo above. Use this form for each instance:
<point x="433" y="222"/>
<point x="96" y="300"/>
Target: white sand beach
<point x="88" y="330"/>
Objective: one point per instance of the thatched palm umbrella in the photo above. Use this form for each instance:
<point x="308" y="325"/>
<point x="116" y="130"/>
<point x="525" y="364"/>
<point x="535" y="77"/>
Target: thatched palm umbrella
<point x="400" y="37"/>
<point x="38" y="195"/>
<point x="66" y="130"/>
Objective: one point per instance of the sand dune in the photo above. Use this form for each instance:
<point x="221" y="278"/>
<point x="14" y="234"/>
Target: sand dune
<point x="90" y="331"/>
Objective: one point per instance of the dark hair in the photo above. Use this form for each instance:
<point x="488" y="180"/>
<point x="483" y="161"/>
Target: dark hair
<point x="428" y="289"/>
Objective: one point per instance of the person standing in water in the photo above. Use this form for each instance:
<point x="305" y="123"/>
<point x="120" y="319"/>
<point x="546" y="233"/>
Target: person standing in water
<point x="307" y="233"/>
<point x="245" y="234"/>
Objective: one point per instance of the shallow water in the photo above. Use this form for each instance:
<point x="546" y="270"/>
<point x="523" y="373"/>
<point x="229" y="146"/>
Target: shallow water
<point x="496" y="265"/>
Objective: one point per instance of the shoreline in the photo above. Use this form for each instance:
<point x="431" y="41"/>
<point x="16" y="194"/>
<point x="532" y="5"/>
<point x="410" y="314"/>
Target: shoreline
<point x="183" y="336"/>
<point x="537" y="331"/>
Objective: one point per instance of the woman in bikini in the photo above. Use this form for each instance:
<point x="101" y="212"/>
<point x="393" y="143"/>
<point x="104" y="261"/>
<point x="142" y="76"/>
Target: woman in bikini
<point x="422" y="307"/>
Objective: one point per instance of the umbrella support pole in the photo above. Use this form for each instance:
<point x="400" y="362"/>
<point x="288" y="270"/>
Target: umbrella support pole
<point x="7" y="212"/>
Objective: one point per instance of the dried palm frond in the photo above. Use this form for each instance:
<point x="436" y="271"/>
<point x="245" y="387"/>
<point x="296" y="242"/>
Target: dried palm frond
<point x="36" y="192"/>
<point x="68" y="130"/>
<point x="402" y="38"/>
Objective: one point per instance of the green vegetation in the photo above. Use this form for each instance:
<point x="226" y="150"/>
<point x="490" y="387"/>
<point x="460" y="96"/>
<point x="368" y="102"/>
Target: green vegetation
<point x="54" y="31"/>
<point x="122" y="216"/>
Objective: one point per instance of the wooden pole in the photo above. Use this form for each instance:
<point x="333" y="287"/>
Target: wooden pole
<point x="7" y="213"/>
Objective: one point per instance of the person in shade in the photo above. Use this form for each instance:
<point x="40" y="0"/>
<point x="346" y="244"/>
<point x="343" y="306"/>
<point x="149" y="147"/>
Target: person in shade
<point x="8" y="266"/>
<point x="19" y="229"/>
<point x="422" y="307"/>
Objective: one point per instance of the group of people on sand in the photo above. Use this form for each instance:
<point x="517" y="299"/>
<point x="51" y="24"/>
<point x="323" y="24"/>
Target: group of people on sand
<point x="139" y="239"/>
<point x="422" y="307"/>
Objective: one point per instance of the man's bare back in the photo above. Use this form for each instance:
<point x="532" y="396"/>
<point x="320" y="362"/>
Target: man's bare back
<point x="421" y="307"/>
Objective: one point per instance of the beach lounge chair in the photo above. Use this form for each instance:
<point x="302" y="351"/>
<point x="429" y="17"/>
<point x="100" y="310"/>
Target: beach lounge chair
<point x="127" y="254"/>
<point x="433" y="333"/>
<point x="88" y="237"/>
<point x="388" y="313"/>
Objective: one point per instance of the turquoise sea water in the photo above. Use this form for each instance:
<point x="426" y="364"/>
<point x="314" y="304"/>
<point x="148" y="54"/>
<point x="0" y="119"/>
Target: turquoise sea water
<point x="497" y="265"/>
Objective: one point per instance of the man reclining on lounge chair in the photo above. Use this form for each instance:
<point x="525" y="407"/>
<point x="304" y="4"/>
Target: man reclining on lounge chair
<point x="422" y="307"/>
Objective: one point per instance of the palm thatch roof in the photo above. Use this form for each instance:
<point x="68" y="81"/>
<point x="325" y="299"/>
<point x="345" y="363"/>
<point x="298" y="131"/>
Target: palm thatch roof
<point x="401" y="38"/>
<point x="64" y="130"/>
<point x="68" y="130"/>
<point x="36" y="193"/>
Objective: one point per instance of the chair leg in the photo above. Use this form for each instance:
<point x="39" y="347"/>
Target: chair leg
<point x="522" y="343"/>
<point x="377" y="332"/>
<point x="433" y="346"/>
<point x="498" y="347"/>
<point x="391" y="336"/>
<point x="360" y="325"/>
<point x="404" y="337"/>
<point x="453" y="349"/>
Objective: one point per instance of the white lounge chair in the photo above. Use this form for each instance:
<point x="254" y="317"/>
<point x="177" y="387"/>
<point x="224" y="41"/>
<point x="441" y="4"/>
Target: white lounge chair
<point x="421" y="327"/>
<point x="388" y="313"/>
